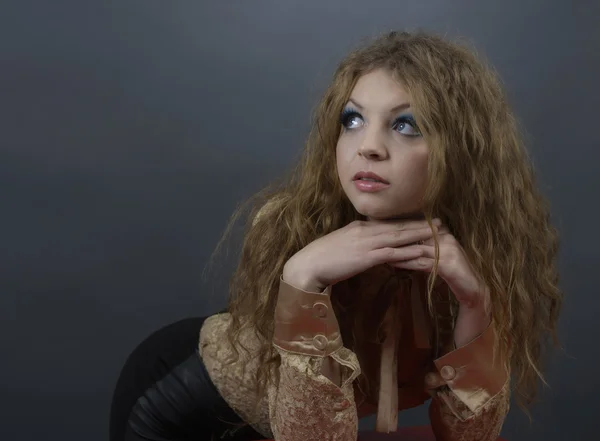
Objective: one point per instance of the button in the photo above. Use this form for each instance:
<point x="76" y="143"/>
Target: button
<point x="344" y="404"/>
<point x="448" y="373"/>
<point x="320" y="342"/>
<point x="320" y="309"/>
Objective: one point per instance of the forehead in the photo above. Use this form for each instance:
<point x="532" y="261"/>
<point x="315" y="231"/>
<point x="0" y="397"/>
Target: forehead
<point x="378" y="90"/>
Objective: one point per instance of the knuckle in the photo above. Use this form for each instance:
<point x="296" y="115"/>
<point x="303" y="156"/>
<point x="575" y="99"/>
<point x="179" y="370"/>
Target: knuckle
<point x="398" y="234"/>
<point x="384" y="254"/>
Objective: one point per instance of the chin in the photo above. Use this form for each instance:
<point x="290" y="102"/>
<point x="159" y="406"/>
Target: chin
<point x="378" y="212"/>
<point x="374" y="212"/>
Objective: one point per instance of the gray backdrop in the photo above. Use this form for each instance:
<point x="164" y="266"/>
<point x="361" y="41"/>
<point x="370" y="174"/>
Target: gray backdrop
<point x="130" y="130"/>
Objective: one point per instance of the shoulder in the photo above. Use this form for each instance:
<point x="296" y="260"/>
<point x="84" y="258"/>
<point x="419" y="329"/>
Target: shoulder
<point x="215" y="344"/>
<point x="214" y="328"/>
<point x="234" y="376"/>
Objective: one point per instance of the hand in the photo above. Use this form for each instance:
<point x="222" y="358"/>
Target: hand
<point x="353" y="249"/>
<point x="455" y="270"/>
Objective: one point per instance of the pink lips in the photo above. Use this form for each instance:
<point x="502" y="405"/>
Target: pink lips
<point x="369" y="182"/>
<point x="369" y="175"/>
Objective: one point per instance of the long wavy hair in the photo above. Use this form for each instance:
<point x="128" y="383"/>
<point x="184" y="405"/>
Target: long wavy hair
<point x="481" y="184"/>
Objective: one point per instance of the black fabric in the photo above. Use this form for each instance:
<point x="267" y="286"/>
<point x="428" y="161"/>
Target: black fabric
<point x="164" y="393"/>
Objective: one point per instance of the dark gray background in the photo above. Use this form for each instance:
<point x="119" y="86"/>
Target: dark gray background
<point x="130" y="130"/>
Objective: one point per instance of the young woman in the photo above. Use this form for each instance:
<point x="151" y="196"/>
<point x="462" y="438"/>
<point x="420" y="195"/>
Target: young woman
<point x="409" y="257"/>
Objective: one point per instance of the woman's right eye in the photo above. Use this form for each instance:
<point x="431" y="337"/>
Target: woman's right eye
<point x="350" y="119"/>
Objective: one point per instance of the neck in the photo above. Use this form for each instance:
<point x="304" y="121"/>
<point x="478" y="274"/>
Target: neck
<point x="401" y="217"/>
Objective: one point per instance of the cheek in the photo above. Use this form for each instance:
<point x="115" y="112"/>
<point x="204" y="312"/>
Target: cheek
<point x="347" y="146"/>
<point x="420" y="160"/>
<point x="341" y="157"/>
<point x="414" y="168"/>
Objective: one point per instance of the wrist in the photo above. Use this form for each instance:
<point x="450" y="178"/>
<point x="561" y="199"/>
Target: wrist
<point x="470" y="323"/>
<point x="301" y="278"/>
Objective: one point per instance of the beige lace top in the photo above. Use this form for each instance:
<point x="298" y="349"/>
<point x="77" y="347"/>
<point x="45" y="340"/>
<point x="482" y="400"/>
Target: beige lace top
<point x="413" y="362"/>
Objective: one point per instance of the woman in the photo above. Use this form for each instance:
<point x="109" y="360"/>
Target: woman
<point x="410" y="257"/>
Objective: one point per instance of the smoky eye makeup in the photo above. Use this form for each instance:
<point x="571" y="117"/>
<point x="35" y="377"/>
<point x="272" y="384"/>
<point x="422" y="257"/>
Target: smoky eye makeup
<point x="347" y="115"/>
<point x="404" y="124"/>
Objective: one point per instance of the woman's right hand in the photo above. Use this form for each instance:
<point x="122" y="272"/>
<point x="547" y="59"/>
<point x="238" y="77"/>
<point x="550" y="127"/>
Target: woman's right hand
<point x="355" y="248"/>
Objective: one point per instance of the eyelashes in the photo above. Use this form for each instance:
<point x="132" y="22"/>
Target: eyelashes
<point x="347" y="114"/>
<point x="407" y="122"/>
<point x="404" y="124"/>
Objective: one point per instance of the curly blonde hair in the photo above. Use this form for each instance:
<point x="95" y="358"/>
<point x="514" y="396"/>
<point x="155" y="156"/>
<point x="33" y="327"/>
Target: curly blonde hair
<point x="481" y="184"/>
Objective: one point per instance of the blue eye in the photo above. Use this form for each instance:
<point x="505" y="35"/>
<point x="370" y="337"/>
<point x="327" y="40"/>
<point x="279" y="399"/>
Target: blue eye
<point x="404" y="124"/>
<point x="350" y="118"/>
<point x="407" y="126"/>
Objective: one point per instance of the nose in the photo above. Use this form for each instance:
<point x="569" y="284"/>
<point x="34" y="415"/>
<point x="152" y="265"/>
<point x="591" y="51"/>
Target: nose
<point x="373" y="147"/>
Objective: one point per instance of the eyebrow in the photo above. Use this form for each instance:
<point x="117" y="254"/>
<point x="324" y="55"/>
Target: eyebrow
<point x="401" y="106"/>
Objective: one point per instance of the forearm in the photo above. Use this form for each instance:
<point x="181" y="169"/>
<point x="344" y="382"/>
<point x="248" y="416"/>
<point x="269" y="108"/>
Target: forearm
<point x="470" y="323"/>
<point x="314" y="398"/>
<point x="470" y="391"/>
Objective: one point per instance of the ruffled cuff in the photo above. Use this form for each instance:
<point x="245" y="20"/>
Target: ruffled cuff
<point x="305" y="322"/>
<point x="472" y="373"/>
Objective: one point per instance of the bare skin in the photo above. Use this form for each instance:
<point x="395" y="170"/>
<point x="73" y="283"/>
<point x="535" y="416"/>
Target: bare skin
<point x="354" y="249"/>
<point x="379" y="135"/>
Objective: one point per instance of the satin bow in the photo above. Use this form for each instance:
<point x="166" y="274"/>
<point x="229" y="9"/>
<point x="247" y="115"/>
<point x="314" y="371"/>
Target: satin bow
<point x="402" y="283"/>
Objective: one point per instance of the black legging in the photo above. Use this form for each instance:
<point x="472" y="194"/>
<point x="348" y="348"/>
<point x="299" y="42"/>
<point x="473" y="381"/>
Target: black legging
<point x="164" y="393"/>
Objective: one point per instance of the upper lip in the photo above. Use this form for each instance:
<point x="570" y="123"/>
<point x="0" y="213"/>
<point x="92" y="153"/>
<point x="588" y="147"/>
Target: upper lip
<point x="370" y="175"/>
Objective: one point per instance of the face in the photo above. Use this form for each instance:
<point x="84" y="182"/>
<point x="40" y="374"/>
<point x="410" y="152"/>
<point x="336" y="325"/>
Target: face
<point x="381" y="155"/>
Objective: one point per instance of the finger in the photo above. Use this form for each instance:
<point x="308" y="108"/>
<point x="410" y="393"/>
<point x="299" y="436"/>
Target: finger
<point x="442" y="231"/>
<point x="393" y="255"/>
<point x="395" y="239"/>
<point x="385" y="226"/>
<point x="419" y="264"/>
<point x="428" y="250"/>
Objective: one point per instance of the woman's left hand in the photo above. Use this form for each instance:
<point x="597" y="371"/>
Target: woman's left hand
<point x="455" y="270"/>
